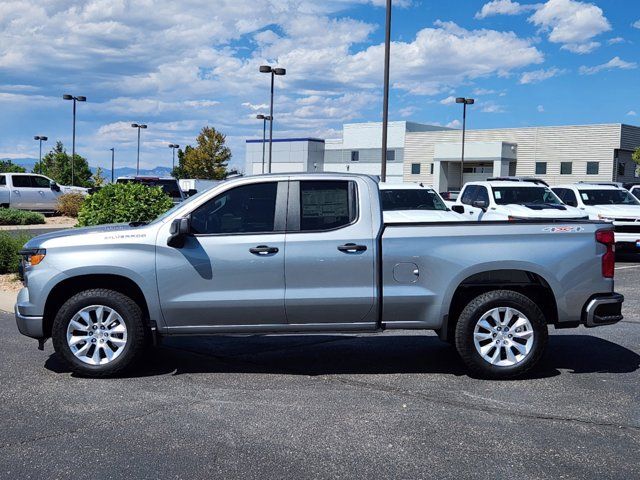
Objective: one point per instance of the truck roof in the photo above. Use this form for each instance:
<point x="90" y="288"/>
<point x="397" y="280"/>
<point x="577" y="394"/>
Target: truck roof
<point x="404" y="186"/>
<point x="506" y="183"/>
<point x="590" y="186"/>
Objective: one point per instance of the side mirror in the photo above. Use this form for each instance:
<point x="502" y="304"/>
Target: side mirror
<point x="458" y="208"/>
<point x="54" y="186"/>
<point x="179" y="229"/>
<point x="481" y="204"/>
<point x="191" y="192"/>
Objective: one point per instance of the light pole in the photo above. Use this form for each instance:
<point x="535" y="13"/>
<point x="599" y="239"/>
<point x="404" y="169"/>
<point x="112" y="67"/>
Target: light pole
<point x="75" y="99"/>
<point x="273" y="72"/>
<point x="385" y="101"/>
<point x="113" y="155"/>
<point x="138" y="126"/>
<point x="464" y="101"/>
<point x="40" y="139"/>
<point x="264" y="119"/>
<point x="173" y="147"/>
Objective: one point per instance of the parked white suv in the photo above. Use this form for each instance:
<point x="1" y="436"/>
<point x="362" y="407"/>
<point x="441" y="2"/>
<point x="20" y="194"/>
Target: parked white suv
<point x="29" y="191"/>
<point x="410" y="202"/>
<point x="609" y="202"/>
<point x="512" y="198"/>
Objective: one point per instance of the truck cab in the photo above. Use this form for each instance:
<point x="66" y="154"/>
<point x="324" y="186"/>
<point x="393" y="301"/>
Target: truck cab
<point x="413" y="202"/>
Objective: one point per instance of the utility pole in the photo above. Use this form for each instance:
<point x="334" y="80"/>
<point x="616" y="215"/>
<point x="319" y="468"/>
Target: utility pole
<point x="385" y="101"/>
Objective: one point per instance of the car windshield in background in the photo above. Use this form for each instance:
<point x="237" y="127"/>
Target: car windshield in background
<point x="608" y="197"/>
<point x="525" y="196"/>
<point x="170" y="187"/>
<point x="404" y="199"/>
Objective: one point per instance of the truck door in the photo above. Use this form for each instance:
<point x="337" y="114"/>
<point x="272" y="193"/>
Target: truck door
<point x="230" y="270"/>
<point x="330" y="254"/>
<point x="23" y="194"/>
<point x="46" y="198"/>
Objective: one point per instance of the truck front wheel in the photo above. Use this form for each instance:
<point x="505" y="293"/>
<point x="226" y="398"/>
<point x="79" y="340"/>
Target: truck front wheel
<point x="501" y="334"/>
<point x="99" y="332"/>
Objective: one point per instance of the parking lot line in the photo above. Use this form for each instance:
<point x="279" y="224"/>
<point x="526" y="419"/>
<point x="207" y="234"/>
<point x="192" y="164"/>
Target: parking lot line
<point x="628" y="266"/>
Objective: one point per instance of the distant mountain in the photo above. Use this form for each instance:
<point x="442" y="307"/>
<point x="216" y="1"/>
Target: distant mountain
<point x="29" y="163"/>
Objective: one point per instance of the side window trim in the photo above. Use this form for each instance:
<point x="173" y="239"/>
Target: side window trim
<point x="294" y="208"/>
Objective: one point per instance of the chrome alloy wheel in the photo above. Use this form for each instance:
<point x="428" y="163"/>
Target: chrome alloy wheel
<point x="97" y="335"/>
<point x="503" y="336"/>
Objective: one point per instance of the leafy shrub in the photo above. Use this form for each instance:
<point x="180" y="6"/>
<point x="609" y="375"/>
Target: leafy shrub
<point x="10" y="245"/>
<point x="11" y="216"/>
<point x="123" y="202"/>
<point x="69" y="204"/>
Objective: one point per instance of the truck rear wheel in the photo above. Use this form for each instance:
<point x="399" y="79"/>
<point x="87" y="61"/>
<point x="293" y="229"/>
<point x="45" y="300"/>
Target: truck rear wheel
<point x="501" y="334"/>
<point x="99" y="332"/>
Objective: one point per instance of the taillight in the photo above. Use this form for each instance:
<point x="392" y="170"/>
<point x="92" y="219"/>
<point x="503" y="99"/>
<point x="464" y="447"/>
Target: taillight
<point x="607" y="238"/>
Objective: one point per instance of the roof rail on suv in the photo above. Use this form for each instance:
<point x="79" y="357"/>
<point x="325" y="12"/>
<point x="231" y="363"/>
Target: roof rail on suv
<point x="608" y="184"/>
<point x="537" y="181"/>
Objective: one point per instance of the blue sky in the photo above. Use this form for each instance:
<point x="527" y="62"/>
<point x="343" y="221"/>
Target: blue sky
<point x="178" y="66"/>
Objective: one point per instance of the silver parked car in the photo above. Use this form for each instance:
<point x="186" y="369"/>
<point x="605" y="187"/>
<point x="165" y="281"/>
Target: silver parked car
<point x="30" y="191"/>
<point x="216" y="263"/>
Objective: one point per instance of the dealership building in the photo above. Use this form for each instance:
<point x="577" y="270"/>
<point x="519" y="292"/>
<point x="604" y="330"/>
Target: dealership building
<point x="431" y="154"/>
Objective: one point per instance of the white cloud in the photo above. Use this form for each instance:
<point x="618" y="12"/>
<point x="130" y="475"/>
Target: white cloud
<point x="614" y="63"/>
<point x="503" y="7"/>
<point x="631" y="113"/>
<point x="407" y="112"/>
<point x="636" y="24"/>
<point x="491" y="107"/>
<point x="540" y="108"/>
<point x="454" y="124"/>
<point x="615" y="40"/>
<point x="571" y="23"/>
<point x="536" y="76"/>
<point x="483" y="91"/>
<point x="448" y="101"/>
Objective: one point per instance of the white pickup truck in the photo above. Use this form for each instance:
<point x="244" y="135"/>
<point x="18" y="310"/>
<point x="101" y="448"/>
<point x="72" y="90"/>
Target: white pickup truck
<point x="512" y="198"/>
<point x="29" y="191"/>
<point x="412" y="202"/>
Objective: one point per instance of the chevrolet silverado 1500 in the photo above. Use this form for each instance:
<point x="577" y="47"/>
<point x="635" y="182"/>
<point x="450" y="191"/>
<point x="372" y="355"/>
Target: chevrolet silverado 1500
<point x="309" y="253"/>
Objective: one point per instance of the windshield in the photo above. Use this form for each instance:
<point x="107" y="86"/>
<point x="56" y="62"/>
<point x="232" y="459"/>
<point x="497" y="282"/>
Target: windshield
<point x="525" y="196"/>
<point x="608" y="197"/>
<point x="170" y="187"/>
<point x="404" y="199"/>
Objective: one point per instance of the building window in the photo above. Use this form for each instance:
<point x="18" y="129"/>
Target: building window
<point x="415" y="169"/>
<point x="355" y="155"/>
<point x="431" y="168"/>
<point x="566" y="168"/>
<point x="593" y="168"/>
<point x="541" y="168"/>
<point x="621" y="169"/>
<point x="391" y="155"/>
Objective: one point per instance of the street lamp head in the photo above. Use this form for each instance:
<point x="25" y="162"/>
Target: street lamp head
<point x="44" y="139"/>
<point x="36" y="137"/>
<point x="260" y="117"/>
<point x="173" y="145"/>
<point x="135" y="125"/>
<point x="112" y="149"/>
<point x="470" y="101"/>
<point x="460" y="100"/>
<point x="142" y="126"/>
<point x="265" y="69"/>
<point x="81" y="98"/>
<point x="67" y="97"/>
<point x="280" y="71"/>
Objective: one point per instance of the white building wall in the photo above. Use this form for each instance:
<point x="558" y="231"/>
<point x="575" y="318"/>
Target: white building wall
<point x="578" y="144"/>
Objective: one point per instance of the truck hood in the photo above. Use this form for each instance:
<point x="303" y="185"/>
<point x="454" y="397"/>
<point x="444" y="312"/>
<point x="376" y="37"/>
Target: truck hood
<point x="85" y="235"/>
<point x="402" y="216"/>
<point x="540" y="211"/>
<point x="616" y="211"/>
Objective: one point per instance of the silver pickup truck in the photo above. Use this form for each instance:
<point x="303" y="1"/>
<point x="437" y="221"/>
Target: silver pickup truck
<point x="309" y="253"/>
<point x="29" y="191"/>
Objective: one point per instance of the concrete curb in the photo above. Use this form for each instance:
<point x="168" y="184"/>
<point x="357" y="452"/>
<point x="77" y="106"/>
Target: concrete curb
<point x="7" y="300"/>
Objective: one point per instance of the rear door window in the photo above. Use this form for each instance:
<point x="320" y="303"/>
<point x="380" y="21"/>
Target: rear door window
<point x="22" y="181"/>
<point x="326" y="205"/>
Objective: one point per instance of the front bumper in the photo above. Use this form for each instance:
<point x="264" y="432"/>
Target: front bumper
<point x="603" y="309"/>
<point x="29" y="326"/>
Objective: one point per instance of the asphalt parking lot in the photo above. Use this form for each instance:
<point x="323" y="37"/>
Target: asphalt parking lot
<point x="397" y="405"/>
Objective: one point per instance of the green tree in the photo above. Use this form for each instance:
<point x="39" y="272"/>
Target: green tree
<point x="57" y="165"/>
<point x="207" y="160"/>
<point x="7" y="166"/>
<point x="636" y="158"/>
<point x="98" y="177"/>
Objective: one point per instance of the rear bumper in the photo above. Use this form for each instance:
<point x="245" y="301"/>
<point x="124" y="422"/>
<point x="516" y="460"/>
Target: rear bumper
<point x="603" y="309"/>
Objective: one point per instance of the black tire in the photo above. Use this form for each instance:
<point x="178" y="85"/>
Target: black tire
<point x="471" y="315"/>
<point x="130" y="313"/>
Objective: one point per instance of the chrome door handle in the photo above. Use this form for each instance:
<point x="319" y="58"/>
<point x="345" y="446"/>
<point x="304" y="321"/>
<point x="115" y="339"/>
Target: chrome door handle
<point x="263" y="250"/>
<point x="352" y="247"/>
